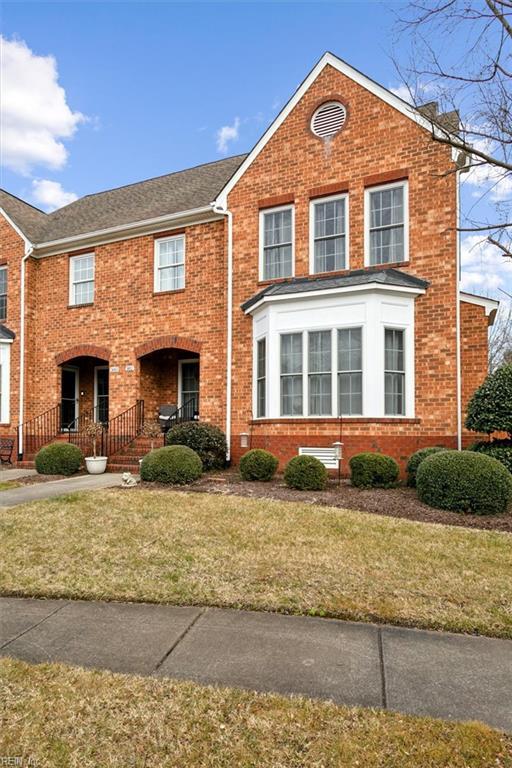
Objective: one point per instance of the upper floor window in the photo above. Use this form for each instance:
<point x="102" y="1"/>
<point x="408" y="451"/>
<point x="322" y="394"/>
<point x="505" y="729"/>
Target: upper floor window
<point x="394" y="372"/>
<point x="81" y="279"/>
<point x="3" y="293"/>
<point x="276" y="243"/>
<point x="329" y="234"/>
<point x="386" y="234"/>
<point x="170" y="263"/>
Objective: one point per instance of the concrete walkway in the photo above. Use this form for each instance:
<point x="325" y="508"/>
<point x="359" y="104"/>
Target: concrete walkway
<point x="37" y="491"/>
<point x="425" y="673"/>
<point x="15" y="474"/>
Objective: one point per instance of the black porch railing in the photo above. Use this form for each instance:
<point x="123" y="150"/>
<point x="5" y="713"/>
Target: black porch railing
<point x="187" y="412"/>
<point x="124" y="428"/>
<point x="77" y="435"/>
<point x="38" y="431"/>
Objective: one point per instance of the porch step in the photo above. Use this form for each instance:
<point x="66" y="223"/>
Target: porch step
<point x="25" y="464"/>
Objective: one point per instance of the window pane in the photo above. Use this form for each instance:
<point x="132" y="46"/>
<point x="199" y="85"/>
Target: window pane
<point x="394" y="394"/>
<point x="350" y="349"/>
<point x="387" y="225"/>
<point x="291" y="353"/>
<point x="170" y="252"/>
<point x="394" y="350"/>
<point x="261" y="358"/>
<point x="260" y="404"/>
<point x="350" y="388"/>
<point x="83" y="293"/>
<point x="261" y="377"/>
<point x="320" y="394"/>
<point x="291" y="395"/>
<point x="319" y="351"/>
<point x="387" y="207"/>
<point x="330" y="218"/>
<point x="330" y="254"/>
<point x="277" y="262"/>
<point x="387" y="245"/>
<point x="3" y="280"/>
<point x="172" y="278"/>
<point x="83" y="268"/>
<point x="278" y="227"/>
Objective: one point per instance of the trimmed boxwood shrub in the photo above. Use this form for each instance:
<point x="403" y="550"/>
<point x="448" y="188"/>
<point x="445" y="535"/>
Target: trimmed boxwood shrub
<point x="305" y="473"/>
<point x="258" y="464"/>
<point x="415" y="460"/>
<point x="498" y="449"/>
<point x="59" y="459"/>
<point x="373" y="470"/>
<point x="464" y="481"/>
<point x="208" y="441"/>
<point x="175" y="464"/>
<point x="489" y="409"/>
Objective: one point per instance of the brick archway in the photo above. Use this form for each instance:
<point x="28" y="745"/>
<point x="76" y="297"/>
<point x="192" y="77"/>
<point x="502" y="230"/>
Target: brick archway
<point x="167" y="342"/>
<point x="82" y="350"/>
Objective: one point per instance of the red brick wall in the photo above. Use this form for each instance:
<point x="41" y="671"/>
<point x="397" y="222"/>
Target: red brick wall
<point x="474" y="355"/>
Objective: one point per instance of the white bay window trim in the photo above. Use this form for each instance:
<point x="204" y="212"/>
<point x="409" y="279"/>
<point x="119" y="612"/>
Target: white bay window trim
<point x="176" y="268"/>
<point x="262" y="247"/>
<point x="82" y="272"/>
<point x="312" y="238"/>
<point x="5" y="381"/>
<point x="367" y="221"/>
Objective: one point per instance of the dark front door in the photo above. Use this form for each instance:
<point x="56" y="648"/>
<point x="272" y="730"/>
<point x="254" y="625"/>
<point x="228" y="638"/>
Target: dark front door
<point x="190" y="387"/>
<point x="69" y="397"/>
<point x="102" y="394"/>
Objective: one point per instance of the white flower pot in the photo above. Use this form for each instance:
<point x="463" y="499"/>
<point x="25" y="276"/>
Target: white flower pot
<point x="96" y="466"/>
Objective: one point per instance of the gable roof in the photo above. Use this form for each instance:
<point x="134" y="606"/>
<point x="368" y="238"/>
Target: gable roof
<point x="328" y="59"/>
<point x="187" y="190"/>
<point x="389" y="278"/>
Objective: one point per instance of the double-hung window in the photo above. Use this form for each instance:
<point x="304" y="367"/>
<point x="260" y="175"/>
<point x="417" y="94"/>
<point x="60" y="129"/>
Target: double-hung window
<point x="276" y="243"/>
<point x="329" y="234"/>
<point x="81" y="279"/>
<point x="350" y="371"/>
<point x="261" y="377"/>
<point x="3" y="293"/>
<point x="394" y="372"/>
<point x="319" y="373"/>
<point x="170" y="263"/>
<point x="291" y="374"/>
<point x="386" y="224"/>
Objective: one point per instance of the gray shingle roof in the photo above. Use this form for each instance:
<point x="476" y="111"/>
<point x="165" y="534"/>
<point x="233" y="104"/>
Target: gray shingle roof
<point x="6" y="333"/>
<point x="172" y="193"/>
<point x="390" y="277"/>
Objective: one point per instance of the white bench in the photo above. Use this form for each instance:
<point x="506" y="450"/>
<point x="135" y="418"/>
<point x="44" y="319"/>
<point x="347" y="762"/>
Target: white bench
<point x="326" y="455"/>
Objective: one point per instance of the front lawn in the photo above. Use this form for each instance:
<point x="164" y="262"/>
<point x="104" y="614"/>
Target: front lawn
<point x="63" y="716"/>
<point x="187" y="548"/>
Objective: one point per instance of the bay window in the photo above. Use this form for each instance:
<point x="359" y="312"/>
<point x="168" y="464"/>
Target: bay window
<point x="350" y="371"/>
<point x="261" y="377"/>
<point x="319" y="373"/>
<point x="291" y="374"/>
<point x="276" y="243"/>
<point x="386" y="230"/>
<point x="394" y="372"/>
<point x="329" y="231"/>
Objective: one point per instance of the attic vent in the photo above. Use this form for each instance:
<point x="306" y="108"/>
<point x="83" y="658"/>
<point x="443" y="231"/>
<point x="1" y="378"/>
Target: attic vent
<point x="328" y="119"/>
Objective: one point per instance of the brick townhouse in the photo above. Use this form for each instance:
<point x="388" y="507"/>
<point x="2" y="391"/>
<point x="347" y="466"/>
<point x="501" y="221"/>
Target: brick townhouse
<point x="303" y="294"/>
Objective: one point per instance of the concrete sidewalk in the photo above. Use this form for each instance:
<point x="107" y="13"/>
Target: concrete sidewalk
<point x="425" y="673"/>
<point x="37" y="491"/>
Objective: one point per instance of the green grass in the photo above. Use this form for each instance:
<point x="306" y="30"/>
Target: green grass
<point x="6" y="485"/>
<point x="205" y="549"/>
<point x="64" y="717"/>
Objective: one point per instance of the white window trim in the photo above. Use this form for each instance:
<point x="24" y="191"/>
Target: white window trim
<point x="407" y="387"/>
<point x="5" y="362"/>
<point x="330" y="198"/>
<point x="156" y="263"/>
<point x="262" y="337"/>
<point x="72" y="283"/>
<point x="263" y="212"/>
<point x="367" y="192"/>
<point x="351" y="326"/>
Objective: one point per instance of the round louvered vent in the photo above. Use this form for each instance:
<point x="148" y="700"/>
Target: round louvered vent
<point x="328" y="119"/>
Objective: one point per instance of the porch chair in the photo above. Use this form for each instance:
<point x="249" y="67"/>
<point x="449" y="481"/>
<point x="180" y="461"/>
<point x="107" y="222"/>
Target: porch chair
<point x="166" y="415"/>
<point x="6" y="448"/>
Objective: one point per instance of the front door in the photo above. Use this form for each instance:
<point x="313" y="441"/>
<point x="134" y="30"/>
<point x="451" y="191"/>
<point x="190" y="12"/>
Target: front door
<point x="189" y="391"/>
<point x="69" y="397"/>
<point x="101" y="393"/>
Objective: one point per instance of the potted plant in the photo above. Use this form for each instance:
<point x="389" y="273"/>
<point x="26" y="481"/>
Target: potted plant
<point x="152" y="429"/>
<point x="96" y="465"/>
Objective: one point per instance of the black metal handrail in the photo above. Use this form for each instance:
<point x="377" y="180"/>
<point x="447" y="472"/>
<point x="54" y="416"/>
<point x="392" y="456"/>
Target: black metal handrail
<point x="187" y="412"/>
<point x="38" y="431"/>
<point x="124" y="428"/>
<point x="76" y="431"/>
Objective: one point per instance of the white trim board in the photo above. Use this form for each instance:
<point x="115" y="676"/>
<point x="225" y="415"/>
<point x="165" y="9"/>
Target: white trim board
<point x="481" y="301"/>
<point x="328" y="59"/>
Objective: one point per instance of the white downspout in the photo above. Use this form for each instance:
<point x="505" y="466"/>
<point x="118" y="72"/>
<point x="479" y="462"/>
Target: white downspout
<point x="457" y="322"/>
<point x="28" y="252"/>
<point x="229" y="342"/>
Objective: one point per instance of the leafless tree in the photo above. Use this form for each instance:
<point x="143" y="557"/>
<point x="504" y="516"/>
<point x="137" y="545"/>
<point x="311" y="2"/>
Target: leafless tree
<point x="469" y="97"/>
<point x="500" y="338"/>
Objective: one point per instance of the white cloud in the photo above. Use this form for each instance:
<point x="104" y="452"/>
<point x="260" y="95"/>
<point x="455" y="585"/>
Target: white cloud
<point x="35" y="116"/>
<point x="226" y="134"/>
<point x="51" y="195"/>
<point x="484" y="269"/>
<point x="403" y="92"/>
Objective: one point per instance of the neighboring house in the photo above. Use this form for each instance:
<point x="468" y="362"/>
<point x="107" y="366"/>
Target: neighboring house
<point x="302" y="294"/>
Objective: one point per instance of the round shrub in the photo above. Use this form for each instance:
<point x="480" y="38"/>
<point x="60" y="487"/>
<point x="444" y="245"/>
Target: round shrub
<point x="373" y="470"/>
<point x="207" y="441"/>
<point x="174" y="464"/>
<point x="464" y="481"/>
<point x="489" y="409"/>
<point x="59" y="459"/>
<point x="305" y="473"/>
<point x="498" y="449"/>
<point x="415" y="460"/>
<point x="258" y="464"/>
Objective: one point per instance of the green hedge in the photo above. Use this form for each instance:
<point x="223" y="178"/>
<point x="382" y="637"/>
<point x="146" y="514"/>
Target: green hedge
<point x="208" y="441"/>
<point x="305" y="473"/>
<point x="373" y="470"/>
<point x="59" y="459"/>
<point x="258" y="464"/>
<point x="489" y="409"/>
<point x="415" y="460"/>
<point x="498" y="449"/>
<point x="174" y="464"/>
<point x="464" y="481"/>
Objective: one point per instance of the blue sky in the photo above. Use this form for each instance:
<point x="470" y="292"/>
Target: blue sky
<point x="148" y="87"/>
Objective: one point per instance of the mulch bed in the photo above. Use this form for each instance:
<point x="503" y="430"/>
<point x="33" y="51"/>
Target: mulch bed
<point x="401" y="502"/>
